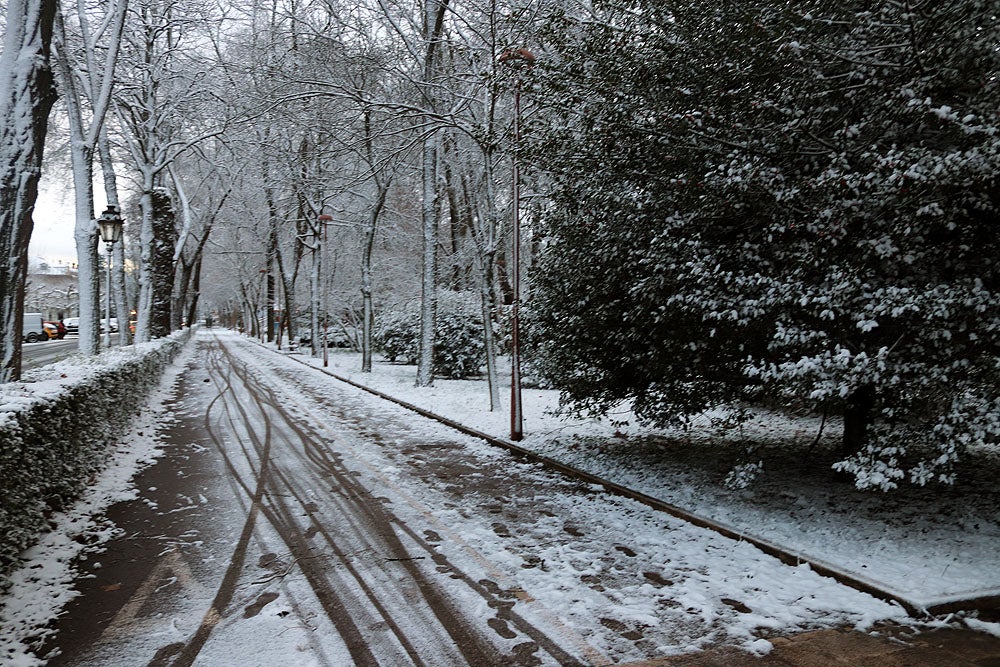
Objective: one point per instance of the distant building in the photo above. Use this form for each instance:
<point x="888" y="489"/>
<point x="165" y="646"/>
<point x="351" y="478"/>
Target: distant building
<point x="52" y="291"/>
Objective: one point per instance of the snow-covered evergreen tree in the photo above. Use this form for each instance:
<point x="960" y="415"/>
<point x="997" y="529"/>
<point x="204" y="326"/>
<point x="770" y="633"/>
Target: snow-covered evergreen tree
<point x="790" y="202"/>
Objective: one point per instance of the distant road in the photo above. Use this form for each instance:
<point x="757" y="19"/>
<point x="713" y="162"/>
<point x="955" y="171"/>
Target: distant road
<point x="34" y="355"/>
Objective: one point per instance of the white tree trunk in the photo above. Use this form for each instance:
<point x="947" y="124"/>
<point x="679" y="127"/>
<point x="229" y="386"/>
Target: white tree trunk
<point x="433" y="20"/>
<point x="87" y="242"/>
<point x="428" y="285"/>
<point x="368" y="311"/>
<point x="119" y="292"/>
<point x="26" y="96"/>
<point x="485" y="239"/>
<point x="87" y="86"/>
<point x="314" y="293"/>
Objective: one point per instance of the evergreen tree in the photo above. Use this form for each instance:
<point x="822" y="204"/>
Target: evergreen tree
<point x="785" y="201"/>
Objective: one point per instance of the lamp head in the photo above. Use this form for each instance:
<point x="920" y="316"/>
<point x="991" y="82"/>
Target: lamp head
<point x="110" y="224"/>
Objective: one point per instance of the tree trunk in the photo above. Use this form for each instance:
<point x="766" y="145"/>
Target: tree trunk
<point x="857" y="417"/>
<point x="288" y="292"/>
<point x="162" y="264"/>
<point x="194" y="293"/>
<point x="368" y="310"/>
<point x="486" y="250"/>
<point x="503" y="275"/>
<point x="178" y="299"/>
<point x="458" y="216"/>
<point x="428" y="285"/>
<point x="26" y="97"/>
<point x="489" y="340"/>
<point x="87" y="252"/>
<point x="143" y="314"/>
<point x="85" y="230"/>
<point x="269" y="296"/>
<point x="247" y="309"/>
<point x="314" y="291"/>
<point x="119" y="292"/>
<point x="433" y="27"/>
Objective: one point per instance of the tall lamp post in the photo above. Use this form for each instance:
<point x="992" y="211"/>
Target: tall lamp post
<point x="519" y="60"/>
<point x="110" y="224"/>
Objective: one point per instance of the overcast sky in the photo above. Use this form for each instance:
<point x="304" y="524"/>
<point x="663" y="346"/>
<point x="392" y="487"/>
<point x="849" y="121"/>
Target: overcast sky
<point x="52" y="238"/>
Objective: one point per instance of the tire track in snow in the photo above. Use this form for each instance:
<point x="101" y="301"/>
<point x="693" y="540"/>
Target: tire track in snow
<point x="221" y="374"/>
<point x="371" y="521"/>
<point x="488" y="590"/>
<point x="257" y="404"/>
<point x="379" y="521"/>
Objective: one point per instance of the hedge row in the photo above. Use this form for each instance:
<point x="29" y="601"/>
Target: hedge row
<point x="57" y="427"/>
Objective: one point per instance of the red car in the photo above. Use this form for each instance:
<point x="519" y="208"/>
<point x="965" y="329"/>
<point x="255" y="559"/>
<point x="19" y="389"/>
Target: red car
<point x="55" y="330"/>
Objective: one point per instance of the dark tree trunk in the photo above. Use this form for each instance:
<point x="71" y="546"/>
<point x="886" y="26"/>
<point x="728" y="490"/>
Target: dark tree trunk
<point x="179" y="305"/>
<point x="194" y="293"/>
<point x="857" y="416"/>
<point x="270" y="303"/>
<point x="162" y="264"/>
<point x="506" y="288"/>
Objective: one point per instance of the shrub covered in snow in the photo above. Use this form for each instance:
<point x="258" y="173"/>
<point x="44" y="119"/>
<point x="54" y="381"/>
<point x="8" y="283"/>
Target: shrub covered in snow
<point x="396" y="334"/>
<point x="532" y="374"/>
<point x="56" y="426"/>
<point x="459" y="350"/>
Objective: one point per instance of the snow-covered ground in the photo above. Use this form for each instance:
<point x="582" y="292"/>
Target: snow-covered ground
<point x="927" y="546"/>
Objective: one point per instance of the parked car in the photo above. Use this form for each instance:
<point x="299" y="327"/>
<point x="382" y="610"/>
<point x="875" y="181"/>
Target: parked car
<point x="114" y="325"/>
<point x="55" y="330"/>
<point x="32" y="328"/>
<point x="72" y="325"/>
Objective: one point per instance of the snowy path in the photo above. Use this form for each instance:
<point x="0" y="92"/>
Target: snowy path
<point x="344" y="530"/>
<point x="929" y="546"/>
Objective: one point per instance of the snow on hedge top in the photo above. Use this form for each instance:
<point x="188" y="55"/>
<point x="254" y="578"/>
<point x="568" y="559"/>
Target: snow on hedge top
<point x="50" y="382"/>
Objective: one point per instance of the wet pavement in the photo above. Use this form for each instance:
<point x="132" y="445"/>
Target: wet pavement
<point x="235" y="554"/>
<point x="892" y="647"/>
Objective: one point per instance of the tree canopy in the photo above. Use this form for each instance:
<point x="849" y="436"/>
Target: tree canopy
<point x="782" y="203"/>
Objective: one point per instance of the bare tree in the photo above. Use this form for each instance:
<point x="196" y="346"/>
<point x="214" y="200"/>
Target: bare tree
<point x="86" y="82"/>
<point x="165" y="89"/>
<point x="433" y="30"/>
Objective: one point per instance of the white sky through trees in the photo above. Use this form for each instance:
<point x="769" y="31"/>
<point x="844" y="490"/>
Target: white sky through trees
<point x="52" y="237"/>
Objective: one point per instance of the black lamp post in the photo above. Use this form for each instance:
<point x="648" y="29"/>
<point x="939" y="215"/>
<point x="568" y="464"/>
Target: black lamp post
<point x="519" y="60"/>
<point x="110" y="225"/>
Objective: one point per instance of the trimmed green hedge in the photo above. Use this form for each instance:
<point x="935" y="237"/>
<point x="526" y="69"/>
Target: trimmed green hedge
<point x="57" y="427"/>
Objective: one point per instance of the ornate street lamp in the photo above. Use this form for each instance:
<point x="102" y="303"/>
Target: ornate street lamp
<point x="519" y="60"/>
<point x="110" y="225"/>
